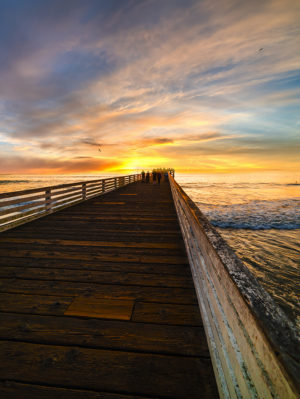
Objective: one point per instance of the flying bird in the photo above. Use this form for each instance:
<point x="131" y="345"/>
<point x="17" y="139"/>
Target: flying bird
<point x="99" y="149"/>
<point x="261" y="49"/>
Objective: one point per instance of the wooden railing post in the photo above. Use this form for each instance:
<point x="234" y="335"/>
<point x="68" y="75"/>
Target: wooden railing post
<point x="84" y="191"/>
<point x="34" y="203"/>
<point x="48" y="199"/>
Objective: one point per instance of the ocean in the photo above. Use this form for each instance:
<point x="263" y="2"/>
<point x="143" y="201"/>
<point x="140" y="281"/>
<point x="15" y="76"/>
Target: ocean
<point x="257" y="214"/>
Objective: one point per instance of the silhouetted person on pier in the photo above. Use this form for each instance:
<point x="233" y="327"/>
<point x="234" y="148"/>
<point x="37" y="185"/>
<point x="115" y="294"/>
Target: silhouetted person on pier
<point x="147" y="177"/>
<point x="158" y="177"/>
<point x="154" y="174"/>
<point x="143" y="176"/>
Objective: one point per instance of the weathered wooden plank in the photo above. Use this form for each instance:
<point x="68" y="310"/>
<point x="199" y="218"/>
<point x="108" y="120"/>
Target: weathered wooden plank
<point x="100" y="308"/>
<point x="159" y="259"/>
<point x="24" y="199"/>
<point x="63" y="226"/>
<point x="21" y="215"/>
<point x="110" y="371"/>
<point x="60" y="186"/>
<point x="143" y="203"/>
<point x="115" y="244"/>
<point x="122" y="276"/>
<point x="65" y="199"/>
<point x="17" y="209"/>
<point x="252" y="342"/>
<point x="77" y="192"/>
<point x="119" y="248"/>
<point x="114" y="232"/>
<point x="57" y="193"/>
<point x="101" y="333"/>
<point x="132" y="252"/>
<point x="110" y="203"/>
<point x="166" y="313"/>
<point x="58" y="200"/>
<point x="41" y="304"/>
<point x="111" y="236"/>
<point x="116" y="218"/>
<point x="62" y="288"/>
<point x="138" y="268"/>
<point x="13" y="390"/>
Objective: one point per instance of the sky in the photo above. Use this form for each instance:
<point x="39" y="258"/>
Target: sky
<point x="88" y="86"/>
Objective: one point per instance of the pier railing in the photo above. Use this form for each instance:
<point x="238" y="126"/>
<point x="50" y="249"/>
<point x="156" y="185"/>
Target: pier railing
<point x="253" y="346"/>
<point x="22" y="206"/>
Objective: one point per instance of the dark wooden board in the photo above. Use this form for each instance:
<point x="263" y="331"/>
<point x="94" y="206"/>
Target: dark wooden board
<point x="93" y="250"/>
<point x="166" y="313"/>
<point x="51" y="253"/>
<point x="100" y="308"/>
<point x="39" y="304"/>
<point x="104" y="370"/>
<point x="66" y="288"/>
<point x="101" y="333"/>
<point x="88" y="244"/>
<point x="100" y="277"/>
<point x="17" y="390"/>
<point x="73" y="264"/>
<point x="98" y="299"/>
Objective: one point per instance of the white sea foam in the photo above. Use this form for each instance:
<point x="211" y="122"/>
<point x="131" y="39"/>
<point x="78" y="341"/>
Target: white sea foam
<point x="255" y="215"/>
<point x="261" y="221"/>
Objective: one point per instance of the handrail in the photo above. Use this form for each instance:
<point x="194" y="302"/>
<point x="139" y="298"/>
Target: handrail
<point x="19" y="207"/>
<point x="253" y="346"/>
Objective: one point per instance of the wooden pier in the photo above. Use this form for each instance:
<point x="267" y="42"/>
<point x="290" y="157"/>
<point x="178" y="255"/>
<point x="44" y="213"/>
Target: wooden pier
<point x="97" y="301"/>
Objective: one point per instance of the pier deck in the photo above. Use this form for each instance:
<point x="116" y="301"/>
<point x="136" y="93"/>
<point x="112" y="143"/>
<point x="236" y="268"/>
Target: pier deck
<point x="97" y="301"/>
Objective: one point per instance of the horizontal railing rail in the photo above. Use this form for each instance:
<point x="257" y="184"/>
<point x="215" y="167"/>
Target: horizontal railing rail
<point x="19" y="207"/>
<point x="254" y="347"/>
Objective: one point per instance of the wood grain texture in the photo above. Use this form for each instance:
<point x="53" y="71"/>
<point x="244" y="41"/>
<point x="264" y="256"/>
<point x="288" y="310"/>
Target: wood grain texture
<point x="14" y="390"/>
<point x="101" y="333"/>
<point x="254" y="346"/>
<point x="130" y="267"/>
<point x="110" y="371"/>
<point x="166" y="313"/>
<point x="121" y="276"/>
<point x="98" y="299"/>
<point x="100" y="308"/>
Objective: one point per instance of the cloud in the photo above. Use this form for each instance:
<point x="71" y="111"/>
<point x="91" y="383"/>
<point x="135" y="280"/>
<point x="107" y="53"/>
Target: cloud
<point x="12" y="164"/>
<point x="90" y="142"/>
<point x="147" y="78"/>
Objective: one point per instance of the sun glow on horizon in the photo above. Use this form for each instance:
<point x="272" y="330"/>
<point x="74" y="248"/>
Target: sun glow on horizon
<point x="157" y="84"/>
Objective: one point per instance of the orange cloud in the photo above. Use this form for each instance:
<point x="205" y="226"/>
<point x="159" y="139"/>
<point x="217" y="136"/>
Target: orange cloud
<point x="56" y="166"/>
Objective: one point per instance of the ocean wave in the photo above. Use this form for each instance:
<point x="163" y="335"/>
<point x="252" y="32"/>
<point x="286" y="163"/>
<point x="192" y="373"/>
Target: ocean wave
<point x="254" y="215"/>
<point x="248" y="226"/>
<point x="14" y="181"/>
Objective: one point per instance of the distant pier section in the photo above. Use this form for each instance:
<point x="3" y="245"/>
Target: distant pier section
<point x="121" y="288"/>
